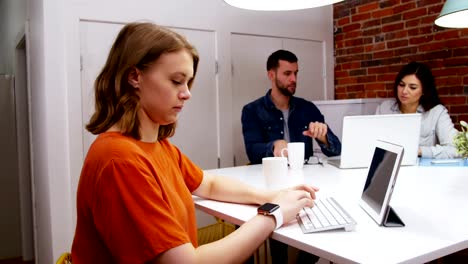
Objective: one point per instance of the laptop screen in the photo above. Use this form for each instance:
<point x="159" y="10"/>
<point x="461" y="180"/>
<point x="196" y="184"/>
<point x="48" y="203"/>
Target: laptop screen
<point x="378" y="178"/>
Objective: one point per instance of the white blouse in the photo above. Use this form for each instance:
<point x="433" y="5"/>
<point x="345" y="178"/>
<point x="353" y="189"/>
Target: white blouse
<point x="437" y="129"/>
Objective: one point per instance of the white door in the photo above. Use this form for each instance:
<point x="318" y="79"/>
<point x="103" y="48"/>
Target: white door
<point x="310" y="79"/>
<point x="196" y="133"/>
<point x="250" y="81"/>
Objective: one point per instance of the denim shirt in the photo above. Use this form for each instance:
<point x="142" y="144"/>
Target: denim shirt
<point x="262" y="125"/>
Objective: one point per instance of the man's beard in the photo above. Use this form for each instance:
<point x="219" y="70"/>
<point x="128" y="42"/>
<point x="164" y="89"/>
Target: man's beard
<point x="283" y="89"/>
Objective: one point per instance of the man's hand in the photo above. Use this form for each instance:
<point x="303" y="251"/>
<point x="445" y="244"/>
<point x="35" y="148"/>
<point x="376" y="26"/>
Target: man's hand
<point x="317" y="130"/>
<point x="278" y="146"/>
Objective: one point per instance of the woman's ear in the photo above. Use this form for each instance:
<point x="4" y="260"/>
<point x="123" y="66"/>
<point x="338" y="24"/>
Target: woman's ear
<point x="134" y="77"/>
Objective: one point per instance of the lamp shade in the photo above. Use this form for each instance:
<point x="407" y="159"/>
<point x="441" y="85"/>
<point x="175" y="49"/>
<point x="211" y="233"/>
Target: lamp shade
<point x="454" y="14"/>
<point x="279" y="5"/>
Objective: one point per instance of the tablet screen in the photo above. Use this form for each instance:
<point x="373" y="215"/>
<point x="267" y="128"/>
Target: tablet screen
<point x="378" y="178"/>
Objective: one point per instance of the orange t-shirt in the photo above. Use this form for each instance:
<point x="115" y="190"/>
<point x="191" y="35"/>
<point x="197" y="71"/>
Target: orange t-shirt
<point x="134" y="201"/>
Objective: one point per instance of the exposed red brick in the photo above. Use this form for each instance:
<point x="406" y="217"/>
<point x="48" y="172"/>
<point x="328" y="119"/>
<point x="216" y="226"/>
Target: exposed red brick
<point x="355" y="50"/>
<point x="382" y="94"/>
<point x="456" y="43"/>
<point x="453" y="100"/>
<point x="449" y="90"/>
<point x="340" y="96"/>
<point x="405" y="51"/>
<point x="420" y="40"/>
<point x="429" y="19"/>
<point x="375" y="86"/>
<point x="413" y="13"/>
<point x="386" y="77"/>
<point x="377" y="70"/>
<point x="354" y="42"/>
<point x="383" y="54"/>
<point x="353" y="34"/>
<point x="446" y="35"/>
<point x="375" y="47"/>
<point x="349" y="80"/>
<point x="372" y="32"/>
<point x="368" y="7"/>
<point x="351" y="27"/>
<point x="340" y="89"/>
<point x="339" y="38"/>
<point x="391" y="19"/>
<point x="383" y="48"/>
<point x="360" y="17"/>
<point x="351" y="65"/>
<point x="393" y="27"/>
<point x="462" y="71"/>
<point x="355" y="88"/>
<point x="382" y="13"/>
<point x="396" y="35"/>
<point x="404" y="7"/>
<point x="341" y="74"/>
<point x="388" y="3"/>
<point x="412" y="23"/>
<point x="459" y="109"/>
<point x="366" y="79"/>
<point x="356" y="95"/>
<point x="426" y="29"/>
<point x="397" y="43"/>
<point x="450" y="80"/>
<point x="370" y="94"/>
<point x="371" y="23"/>
<point x="454" y="62"/>
<point x="343" y="21"/>
<point x="431" y="46"/>
<point x="427" y="2"/>
<point x="464" y="32"/>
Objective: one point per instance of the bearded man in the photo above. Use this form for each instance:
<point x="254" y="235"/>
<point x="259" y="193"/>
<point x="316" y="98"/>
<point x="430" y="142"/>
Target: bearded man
<point x="273" y="120"/>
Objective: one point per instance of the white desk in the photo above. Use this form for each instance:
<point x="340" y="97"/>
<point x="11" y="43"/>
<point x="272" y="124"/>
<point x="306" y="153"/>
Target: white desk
<point x="431" y="201"/>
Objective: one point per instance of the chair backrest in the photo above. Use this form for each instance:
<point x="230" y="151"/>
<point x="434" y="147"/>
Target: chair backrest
<point x="65" y="258"/>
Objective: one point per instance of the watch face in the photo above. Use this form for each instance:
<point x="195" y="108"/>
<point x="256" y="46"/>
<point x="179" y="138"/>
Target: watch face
<point x="267" y="208"/>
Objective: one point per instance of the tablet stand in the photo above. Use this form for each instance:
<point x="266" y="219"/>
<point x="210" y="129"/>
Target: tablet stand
<point x="392" y="219"/>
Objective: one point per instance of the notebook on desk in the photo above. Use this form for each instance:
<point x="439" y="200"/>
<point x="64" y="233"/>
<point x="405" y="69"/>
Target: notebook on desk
<point x="360" y="133"/>
<point x="328" y="214"/>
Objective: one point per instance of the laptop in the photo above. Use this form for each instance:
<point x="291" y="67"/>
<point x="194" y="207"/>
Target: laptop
<point x="328" y="214"/>
<point x="361" y="132"/>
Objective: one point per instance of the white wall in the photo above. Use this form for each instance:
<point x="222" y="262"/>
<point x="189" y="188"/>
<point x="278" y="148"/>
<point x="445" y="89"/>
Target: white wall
<point x="55" y="79"/>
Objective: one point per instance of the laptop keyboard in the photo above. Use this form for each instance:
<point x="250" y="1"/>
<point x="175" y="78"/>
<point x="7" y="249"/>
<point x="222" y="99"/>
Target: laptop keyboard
<point x="326" y="214"/>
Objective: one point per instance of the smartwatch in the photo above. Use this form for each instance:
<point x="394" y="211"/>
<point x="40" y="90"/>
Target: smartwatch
<point x="272" y="210"/>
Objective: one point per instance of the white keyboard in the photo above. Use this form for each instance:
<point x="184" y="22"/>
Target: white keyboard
<point x="326" y="214"/>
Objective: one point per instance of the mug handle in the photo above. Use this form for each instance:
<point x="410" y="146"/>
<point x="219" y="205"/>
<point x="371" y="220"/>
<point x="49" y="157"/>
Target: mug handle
<point x="282" y="152"/>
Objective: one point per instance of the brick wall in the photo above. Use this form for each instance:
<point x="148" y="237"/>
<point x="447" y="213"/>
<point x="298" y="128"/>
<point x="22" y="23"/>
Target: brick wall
<point x="375" y="38"/>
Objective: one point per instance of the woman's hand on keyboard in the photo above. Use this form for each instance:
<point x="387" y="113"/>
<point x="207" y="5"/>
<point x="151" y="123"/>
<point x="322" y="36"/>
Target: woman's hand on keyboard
<point x="292" y="200"/>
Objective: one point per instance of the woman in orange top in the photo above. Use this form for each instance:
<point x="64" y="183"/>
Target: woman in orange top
<point x="134" y="201"/>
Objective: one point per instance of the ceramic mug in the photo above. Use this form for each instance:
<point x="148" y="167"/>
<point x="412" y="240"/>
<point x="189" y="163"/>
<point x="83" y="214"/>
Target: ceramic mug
<point x="295" y="155"/>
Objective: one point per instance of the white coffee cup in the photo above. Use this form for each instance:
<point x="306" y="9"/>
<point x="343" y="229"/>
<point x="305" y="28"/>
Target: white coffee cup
<point x="295" y="154"/>
<point x="275" y="171"/>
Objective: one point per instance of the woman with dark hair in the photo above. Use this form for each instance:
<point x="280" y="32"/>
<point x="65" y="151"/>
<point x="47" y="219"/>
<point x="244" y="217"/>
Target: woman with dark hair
<point x="415" y="92"/>
<point x="134" y="199"/>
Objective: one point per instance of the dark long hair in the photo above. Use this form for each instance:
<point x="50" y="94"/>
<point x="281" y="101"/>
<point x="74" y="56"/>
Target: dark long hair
<point x="429" y="97"/>
<point x="138" y="45"/>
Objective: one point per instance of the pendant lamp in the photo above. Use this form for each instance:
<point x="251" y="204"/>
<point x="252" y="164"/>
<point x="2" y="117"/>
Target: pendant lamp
<point x="279" y="5"/>
<point x="454" y="14"/>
